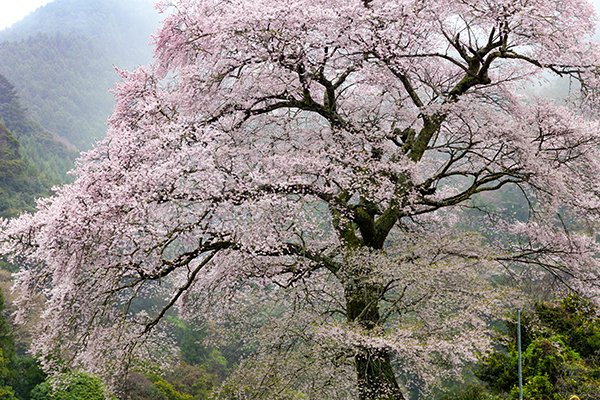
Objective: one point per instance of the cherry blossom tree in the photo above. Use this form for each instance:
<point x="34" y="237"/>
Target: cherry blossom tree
<point x="305" y="166"/>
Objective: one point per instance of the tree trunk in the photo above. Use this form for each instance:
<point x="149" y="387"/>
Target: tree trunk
<point x="375" y="376"/>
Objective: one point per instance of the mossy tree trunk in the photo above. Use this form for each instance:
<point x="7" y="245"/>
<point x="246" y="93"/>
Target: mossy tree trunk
<point x="375" y="375"/>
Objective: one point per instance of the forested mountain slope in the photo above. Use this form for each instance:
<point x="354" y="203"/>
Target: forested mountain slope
<point x="14" y="183"/>
<point x="31" y="158"/>
<point x="62" y="60"/>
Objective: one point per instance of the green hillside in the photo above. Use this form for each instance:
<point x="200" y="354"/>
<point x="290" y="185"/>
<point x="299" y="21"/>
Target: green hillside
<point x="62" y="60"/>
<point x="18" y="185"/>
<point x="31" y="158"/>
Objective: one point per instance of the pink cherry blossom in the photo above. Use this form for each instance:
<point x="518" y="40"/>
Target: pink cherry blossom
<point x="303" y="168"/>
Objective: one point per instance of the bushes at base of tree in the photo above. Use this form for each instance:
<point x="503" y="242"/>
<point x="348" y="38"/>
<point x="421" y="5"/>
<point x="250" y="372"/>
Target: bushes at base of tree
<point x="561" y="357"/>
<point x="71" y="386"/>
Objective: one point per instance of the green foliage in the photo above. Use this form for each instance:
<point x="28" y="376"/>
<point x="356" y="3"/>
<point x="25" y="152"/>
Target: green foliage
<point x="18" y="373"/>
<point x="7" y="346"/>
<point x="470" y="392"/>
<point x="185" y="382"/>
<point x="201" y="370"/>
<point x="499" y="370"/>
<point x="169" y="392"/>
<point x="193" y="351"/>
<point x="561" y="356"/>
<point x="25" y="375"/>
<point x="71" y="386"/>
<point x="197" y="380"/>
<point x="6" y="393"/>
<point x="7" y="353"/>
<point x="235" y="392"/>
<point x="538" y="387"/>
<point x="577" y="321"/>
<point x="141" y="387"/>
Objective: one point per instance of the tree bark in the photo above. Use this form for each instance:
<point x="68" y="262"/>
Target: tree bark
<point x="375" y="376"/>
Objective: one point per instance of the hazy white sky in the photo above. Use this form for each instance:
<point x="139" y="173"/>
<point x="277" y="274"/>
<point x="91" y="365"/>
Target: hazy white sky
<point x="12" y="11"/>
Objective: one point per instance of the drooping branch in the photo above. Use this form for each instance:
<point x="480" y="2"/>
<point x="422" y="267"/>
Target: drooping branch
<point x="191" y="278"/>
